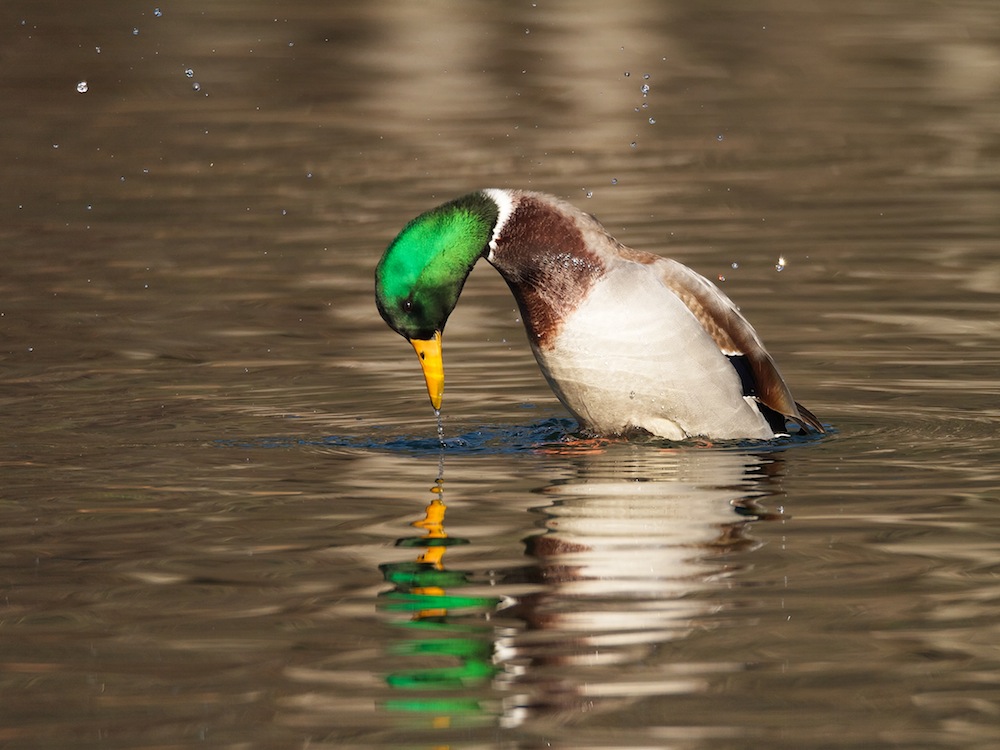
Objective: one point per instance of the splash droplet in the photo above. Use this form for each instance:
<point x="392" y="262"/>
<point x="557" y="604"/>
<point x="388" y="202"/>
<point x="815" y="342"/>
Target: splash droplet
<point x="189" y="72"/>
<point x="196" y="86"/>
<point x="780" y="265"/>
<point x="644" y="89"/>
<point x="82" y="87"/>
<point x="652" y="121"/>
<point x="440" y="423"/>
<point x="135" y="31"/>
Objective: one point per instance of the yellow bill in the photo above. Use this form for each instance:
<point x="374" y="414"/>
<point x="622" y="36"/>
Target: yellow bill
<point x="429" y="352"/>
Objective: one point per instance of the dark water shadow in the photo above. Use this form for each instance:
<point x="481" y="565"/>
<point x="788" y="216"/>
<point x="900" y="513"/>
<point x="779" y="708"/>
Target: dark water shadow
<point x="549" y="435"/>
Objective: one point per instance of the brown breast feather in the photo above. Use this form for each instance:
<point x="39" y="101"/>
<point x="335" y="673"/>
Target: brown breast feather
<point x="544" y="255"/>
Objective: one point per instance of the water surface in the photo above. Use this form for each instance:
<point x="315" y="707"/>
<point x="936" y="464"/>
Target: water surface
<point x="226" y="516"/>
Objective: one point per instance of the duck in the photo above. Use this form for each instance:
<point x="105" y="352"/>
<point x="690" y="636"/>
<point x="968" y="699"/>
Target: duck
<point x="631" y="342"/>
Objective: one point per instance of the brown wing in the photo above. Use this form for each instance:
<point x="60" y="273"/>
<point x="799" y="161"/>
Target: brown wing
<point x="735" y="337"/>
<point x="720" y="318"/>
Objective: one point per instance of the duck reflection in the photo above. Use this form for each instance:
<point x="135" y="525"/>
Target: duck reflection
<point x="630" y="552"/>
<point x="458" y="653"/>
<point x="624" y="561"/>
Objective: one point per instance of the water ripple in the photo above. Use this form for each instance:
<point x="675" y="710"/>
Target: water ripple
<point x="551" y="435"/>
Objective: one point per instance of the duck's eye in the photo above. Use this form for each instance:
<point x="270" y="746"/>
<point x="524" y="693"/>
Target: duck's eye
<point x="412" y="307"/>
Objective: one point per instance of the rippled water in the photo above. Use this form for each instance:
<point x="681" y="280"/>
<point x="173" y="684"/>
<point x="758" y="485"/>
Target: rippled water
<point x="226" y="516"/>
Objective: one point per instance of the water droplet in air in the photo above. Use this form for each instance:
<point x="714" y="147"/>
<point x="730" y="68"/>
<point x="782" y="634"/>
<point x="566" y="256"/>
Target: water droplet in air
<point x="646" y="76"/>
<point x="652" y="121"/>
<point x="196" y="86"/>
<point x="189" y="72"/>
<point x="590" y="193"/>
<point x="633" y="144"/>
<point x="627" y="74"/>
<point x="734" y="265"/>
<point x="82" y="87"/>
<point x="440" y="421"/>
<point x="720" y="137"/>
<point x="614" y="180"/>
<point x="645" y="89"/>
<point x="157" y="12"/>
<point x="780" y="265"/>
<point x="135" y="31"/>
<point x="98" y="50"/>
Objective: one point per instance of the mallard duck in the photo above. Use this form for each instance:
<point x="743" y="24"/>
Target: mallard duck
<point x="629" y="341"/>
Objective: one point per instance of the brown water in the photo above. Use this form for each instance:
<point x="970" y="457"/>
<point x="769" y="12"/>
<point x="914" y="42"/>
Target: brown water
<point x="226" y="520"/>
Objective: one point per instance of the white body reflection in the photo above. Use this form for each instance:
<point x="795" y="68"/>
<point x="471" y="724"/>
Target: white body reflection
<point x="630" y="553"/>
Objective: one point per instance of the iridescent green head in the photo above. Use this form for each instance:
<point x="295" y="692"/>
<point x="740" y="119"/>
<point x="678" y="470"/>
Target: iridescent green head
<point x="423" y="270"/>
